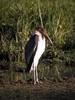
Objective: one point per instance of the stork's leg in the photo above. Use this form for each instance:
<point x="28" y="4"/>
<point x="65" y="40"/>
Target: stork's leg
<point x="36" y="75"/>
<point x="37" y="80"/>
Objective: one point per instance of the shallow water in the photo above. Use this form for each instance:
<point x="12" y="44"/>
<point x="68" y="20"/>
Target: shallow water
<point x="36" y="95"/>
<point x="49" y="90"/>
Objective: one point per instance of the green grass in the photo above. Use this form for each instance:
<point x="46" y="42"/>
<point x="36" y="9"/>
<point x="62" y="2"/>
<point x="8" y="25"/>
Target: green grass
<point x="57" y="17"/>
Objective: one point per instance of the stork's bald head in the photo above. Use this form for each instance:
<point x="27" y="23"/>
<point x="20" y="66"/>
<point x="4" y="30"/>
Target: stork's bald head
<point x="43" y="33"/>
<point x="40" y="29"/>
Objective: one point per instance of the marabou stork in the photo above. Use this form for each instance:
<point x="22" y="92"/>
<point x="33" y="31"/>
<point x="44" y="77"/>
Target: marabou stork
<point x="34" y="49"/>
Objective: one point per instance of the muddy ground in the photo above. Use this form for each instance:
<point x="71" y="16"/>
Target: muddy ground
<point x="47" y="90"/>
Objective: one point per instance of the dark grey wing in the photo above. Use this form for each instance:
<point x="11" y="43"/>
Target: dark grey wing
<point x="29" y="48"/>
<point x="30" y="51"/>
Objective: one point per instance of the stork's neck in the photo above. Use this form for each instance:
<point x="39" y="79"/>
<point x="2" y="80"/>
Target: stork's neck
<point x="38" y="33"/>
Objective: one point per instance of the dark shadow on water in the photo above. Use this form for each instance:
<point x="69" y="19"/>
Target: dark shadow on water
<point x="36" y="95"/>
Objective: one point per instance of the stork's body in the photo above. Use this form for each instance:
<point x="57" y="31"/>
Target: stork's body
<point x="33" y="51"/>
<point x="40" y="44"/>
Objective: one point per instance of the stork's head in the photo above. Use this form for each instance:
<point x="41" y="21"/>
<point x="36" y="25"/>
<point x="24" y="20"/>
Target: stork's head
<point x="40" y="30"/>
<point x="43" y="33"/>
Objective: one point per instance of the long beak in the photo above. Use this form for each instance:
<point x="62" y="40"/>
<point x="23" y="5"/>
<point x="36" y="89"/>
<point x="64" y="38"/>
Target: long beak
<point x="50" y="41"/>
<point x="48" y="38"/>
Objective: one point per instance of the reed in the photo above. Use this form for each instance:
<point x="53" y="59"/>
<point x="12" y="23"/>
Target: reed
<point x="56" y="16"/>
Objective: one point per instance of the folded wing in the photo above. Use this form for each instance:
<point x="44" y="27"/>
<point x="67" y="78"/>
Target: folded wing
<point x="30" y="50"/>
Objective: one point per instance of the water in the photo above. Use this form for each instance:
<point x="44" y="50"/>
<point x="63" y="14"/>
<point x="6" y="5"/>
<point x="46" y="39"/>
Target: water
<point x="36" y="95"/>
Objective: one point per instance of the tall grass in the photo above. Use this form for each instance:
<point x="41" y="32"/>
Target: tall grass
<point x="56" y="16"/>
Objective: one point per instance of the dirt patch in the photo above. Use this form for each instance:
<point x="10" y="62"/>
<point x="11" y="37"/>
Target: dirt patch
<point x="47" y="90"/>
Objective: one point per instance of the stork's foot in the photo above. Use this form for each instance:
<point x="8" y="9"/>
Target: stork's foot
<point x="34" y="83"/>
<point x="38" y="82"/>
